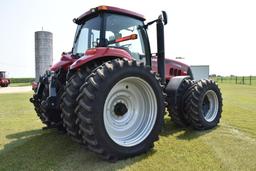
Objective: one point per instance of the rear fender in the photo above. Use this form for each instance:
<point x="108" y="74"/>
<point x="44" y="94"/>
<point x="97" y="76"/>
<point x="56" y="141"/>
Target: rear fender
<point x="101" y="53"/>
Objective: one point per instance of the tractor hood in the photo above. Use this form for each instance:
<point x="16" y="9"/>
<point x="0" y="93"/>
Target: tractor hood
<point x="172" y="68"/>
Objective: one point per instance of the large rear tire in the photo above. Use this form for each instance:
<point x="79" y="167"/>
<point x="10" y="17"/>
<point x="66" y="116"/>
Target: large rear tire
<point x="204" y="105"/>
<point x="68" y="101"/>
<point x="120" y="109"/>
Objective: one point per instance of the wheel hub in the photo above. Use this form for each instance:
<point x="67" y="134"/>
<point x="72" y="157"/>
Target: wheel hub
<point x="206" y="106"/>
<point x="120" y="109"/>
<point x="210" y="105"/>
<point x="130" y="111"/>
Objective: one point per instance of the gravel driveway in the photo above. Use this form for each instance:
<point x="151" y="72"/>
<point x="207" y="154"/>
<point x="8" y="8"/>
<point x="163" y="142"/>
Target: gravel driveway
<point x="4" y="90"/>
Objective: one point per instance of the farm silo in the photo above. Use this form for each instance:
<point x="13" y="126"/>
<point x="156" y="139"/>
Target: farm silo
<point x="43" y="52"/>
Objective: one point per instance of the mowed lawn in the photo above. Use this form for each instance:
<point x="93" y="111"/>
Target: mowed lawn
<point x="20" y="84"/>
<point x="230" y="146"/>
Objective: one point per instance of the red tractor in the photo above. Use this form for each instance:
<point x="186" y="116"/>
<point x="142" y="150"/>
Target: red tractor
<point x="4" y="82"/>
<point x="110" y="92"/>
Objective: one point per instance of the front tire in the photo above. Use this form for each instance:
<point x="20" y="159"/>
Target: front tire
<point x="120" y="108"/>
<point x="204" y="105"/>
<point x="176" y="112"/>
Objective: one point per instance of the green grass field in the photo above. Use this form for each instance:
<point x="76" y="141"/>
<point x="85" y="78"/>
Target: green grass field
<point x="230" y="146"/>
<point x="20" y="84"/>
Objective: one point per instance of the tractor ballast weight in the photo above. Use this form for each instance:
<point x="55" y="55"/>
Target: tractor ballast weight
<point x="110" y="92"/>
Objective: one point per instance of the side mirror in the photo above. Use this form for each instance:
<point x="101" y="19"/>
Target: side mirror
<point x="163" y="17"/>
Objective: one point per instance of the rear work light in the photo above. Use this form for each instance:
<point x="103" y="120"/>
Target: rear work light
<point x="102" y="8"/>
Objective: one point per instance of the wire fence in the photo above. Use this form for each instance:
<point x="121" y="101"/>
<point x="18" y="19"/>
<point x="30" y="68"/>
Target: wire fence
<point x="245" y="80"/>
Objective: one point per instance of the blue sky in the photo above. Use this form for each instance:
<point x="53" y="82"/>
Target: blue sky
<point x="220" y="33"/>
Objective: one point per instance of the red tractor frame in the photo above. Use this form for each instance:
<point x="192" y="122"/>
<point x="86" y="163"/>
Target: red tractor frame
<point x="110" y="92"/>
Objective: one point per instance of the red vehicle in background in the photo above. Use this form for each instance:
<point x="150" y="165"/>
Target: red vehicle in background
<point x="4" y="82"/>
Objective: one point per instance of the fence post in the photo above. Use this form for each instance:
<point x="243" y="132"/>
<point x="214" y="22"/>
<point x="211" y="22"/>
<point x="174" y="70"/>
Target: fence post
<point x="236" y="79"/>
<point x="250" y="80"/>
<point x="243" y="80"/>
<point x="221" y="78"/>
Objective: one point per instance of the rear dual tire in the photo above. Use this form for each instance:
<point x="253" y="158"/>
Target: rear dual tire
<point x="120" y="109"/>
<point x="68" y="101"/>
<point x="204" y="105"/>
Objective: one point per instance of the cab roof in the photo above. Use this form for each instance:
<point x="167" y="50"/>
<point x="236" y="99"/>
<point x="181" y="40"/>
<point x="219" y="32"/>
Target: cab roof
<point x="110" y="9"/>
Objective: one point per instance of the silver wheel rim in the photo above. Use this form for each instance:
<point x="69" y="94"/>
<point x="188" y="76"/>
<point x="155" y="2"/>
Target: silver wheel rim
<point x="213" y="105"/>
<point x="132" y="127"/>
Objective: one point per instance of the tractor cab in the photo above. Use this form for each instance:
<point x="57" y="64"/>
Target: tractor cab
<point x="120" y="33"/>
<point x="111" y="27"/>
